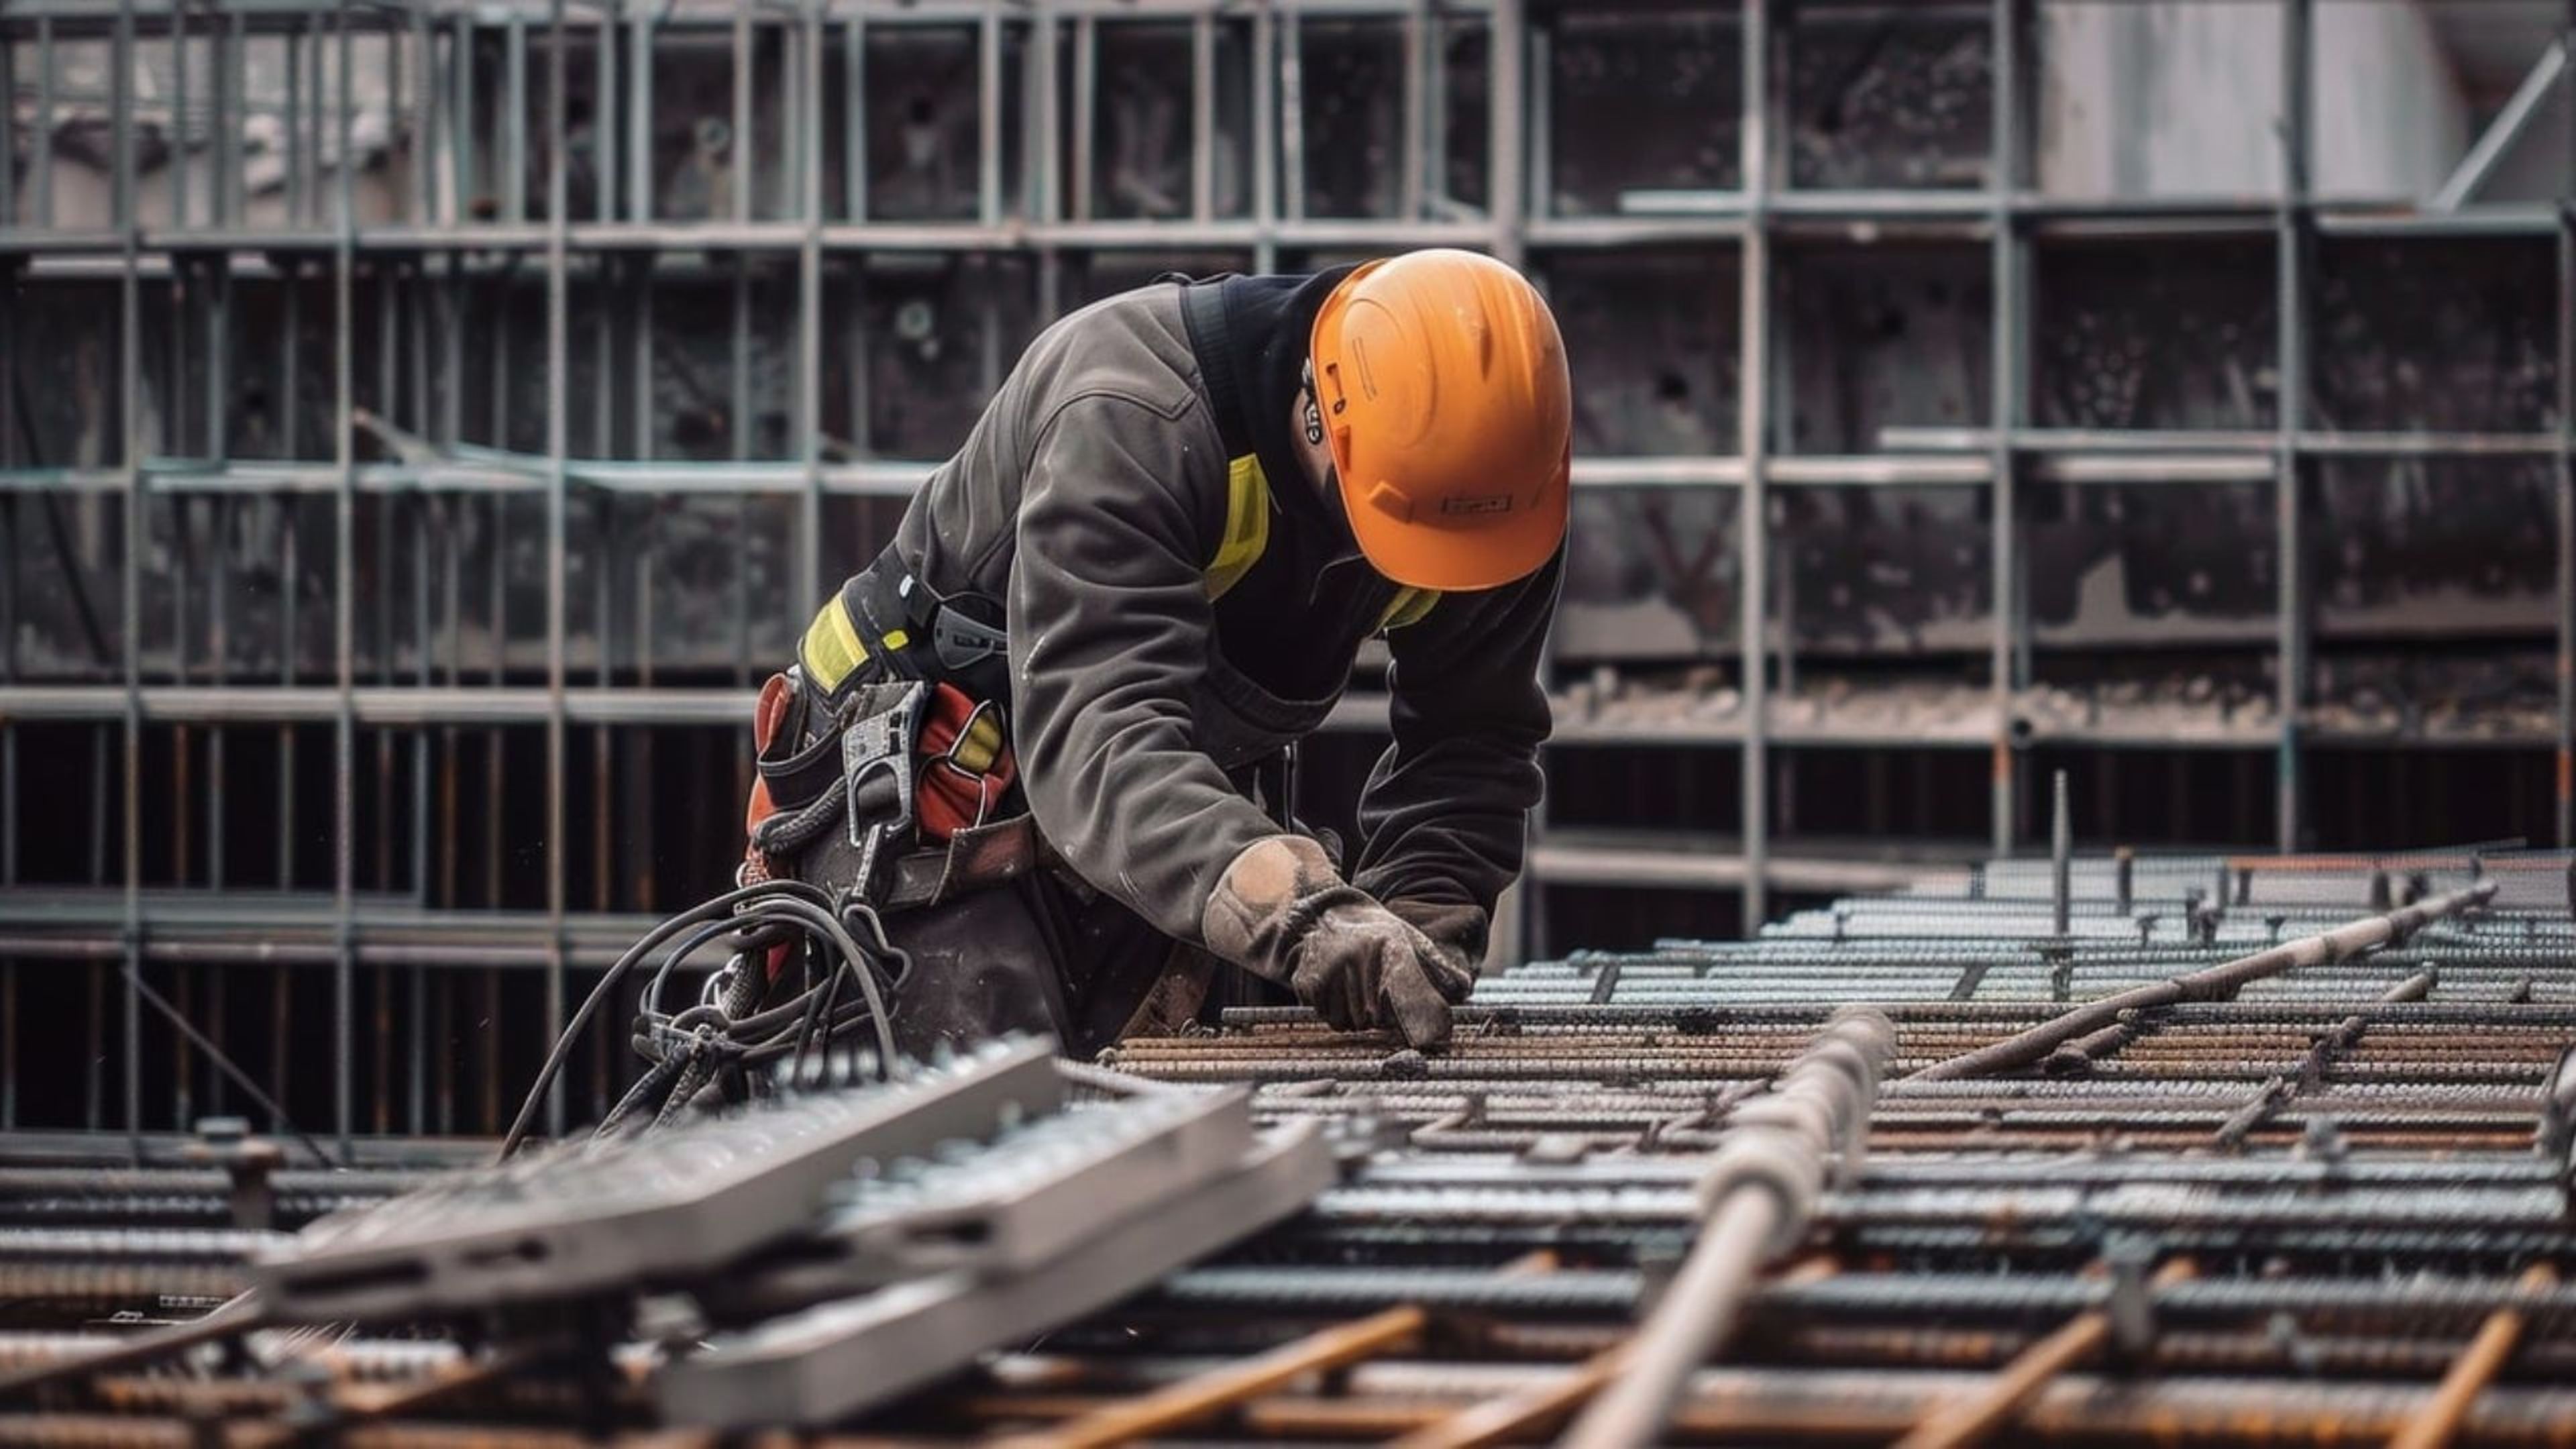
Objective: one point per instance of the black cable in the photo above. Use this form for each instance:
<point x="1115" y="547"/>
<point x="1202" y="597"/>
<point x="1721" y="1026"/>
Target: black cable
<point x="854" y="954"/>
<point x="719" y="906"/>
<point x="757" y="912"/>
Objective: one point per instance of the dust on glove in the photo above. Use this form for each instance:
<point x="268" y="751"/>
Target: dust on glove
<point x="1281" y="911"/>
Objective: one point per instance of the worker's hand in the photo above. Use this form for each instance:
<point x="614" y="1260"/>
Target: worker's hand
<point x="1360" y="965"/>
<point x="1283" y="912"/>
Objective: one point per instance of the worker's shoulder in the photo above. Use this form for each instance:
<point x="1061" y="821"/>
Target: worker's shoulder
<point x="1132" y="347"/>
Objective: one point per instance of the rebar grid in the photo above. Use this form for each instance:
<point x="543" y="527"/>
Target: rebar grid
<point x="2317" y="1216"/>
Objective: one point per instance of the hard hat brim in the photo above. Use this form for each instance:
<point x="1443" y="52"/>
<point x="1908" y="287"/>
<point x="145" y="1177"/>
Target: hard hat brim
<point x="1487" y="554"/>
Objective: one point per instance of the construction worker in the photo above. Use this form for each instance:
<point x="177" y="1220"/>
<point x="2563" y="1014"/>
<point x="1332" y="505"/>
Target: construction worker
<point x="1033" y="731"/>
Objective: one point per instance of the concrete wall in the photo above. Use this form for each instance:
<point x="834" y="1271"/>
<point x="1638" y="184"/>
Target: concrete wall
<point x="2390" y="118"/>
<point x="2180" y="97"/>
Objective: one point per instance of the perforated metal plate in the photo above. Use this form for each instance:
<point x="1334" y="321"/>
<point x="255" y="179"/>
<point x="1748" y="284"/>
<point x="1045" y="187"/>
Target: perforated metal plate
<point x="830" y="1362"/>
<point x="1009" y="1204"/>
<point x="594" y="1215"/>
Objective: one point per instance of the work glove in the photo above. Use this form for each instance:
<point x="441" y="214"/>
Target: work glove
<point x="1282" y="912"/>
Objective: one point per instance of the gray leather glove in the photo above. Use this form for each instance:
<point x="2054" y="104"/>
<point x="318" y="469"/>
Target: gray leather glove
<point x="1282" y="912"/>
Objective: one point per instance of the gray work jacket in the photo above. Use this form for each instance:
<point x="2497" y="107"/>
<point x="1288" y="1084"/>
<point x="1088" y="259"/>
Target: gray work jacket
<point x="1178" y="609"/>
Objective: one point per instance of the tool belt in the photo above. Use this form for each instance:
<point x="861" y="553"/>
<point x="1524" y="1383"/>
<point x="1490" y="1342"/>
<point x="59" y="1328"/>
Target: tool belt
<point x="885" y="761"/>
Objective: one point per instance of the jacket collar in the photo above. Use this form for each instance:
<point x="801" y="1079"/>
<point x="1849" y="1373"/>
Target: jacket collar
<point x="1252" y="357"/>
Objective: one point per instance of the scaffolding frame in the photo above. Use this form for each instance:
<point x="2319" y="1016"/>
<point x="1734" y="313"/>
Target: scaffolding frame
<point x="1049" y="222"/>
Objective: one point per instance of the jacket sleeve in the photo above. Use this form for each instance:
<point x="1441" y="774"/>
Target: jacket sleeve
<point x="1110" y="626"/>
<point x="1442" y="818"/>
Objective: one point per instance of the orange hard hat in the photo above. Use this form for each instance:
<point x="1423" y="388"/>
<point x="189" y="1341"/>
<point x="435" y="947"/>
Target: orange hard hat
<point x="1442" y="386"/>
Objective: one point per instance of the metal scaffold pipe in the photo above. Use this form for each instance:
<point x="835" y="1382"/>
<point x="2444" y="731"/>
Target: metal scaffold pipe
<point x="2216" y="983"/>
<point x="1756" y="1196"/>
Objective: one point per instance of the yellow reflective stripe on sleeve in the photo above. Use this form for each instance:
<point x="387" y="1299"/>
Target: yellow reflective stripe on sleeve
<point x="1407" y="607"/>
<point x="1247" y="525"/>
<point x="895" y="639"/>
<point x="831" y="648"/>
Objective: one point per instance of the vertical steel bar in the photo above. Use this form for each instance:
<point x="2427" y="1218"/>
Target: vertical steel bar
<point x="314" y="118"/>
<point x="1042" y="185"/>
<point x="219" y="368"/>
<point x="40" y="166"/>
<point x="1437" y="202"/>
<point x="290" y="401"/>
<point x="788" y="106"/>
<point x="603" y="769"/>
<point x="558" y="441"/>
<point x="642" y="634"/>
<point x="1540" y="132"/>
<point x="2004" y="174"/>
<point x="988" y="116"/>
<point x="444" y="1032"/>
<point x="2061" y="854"/>
<point x="806" y="558"/>
<point x="179" y="126"/>
<point x="740" y="405"/>
<point x="1753" y="424"/>
<point x="452" y="520"/>
<point x="1512" y="122"/>
<point x="219" y="123"/>
<point x="220" y="647"/>
<point x="639" y="119"/>
<point x="394" y="55"/>
<point x="2298" y="21"/>
<point x="292" y="129"/>
<point x="460" y="125"/>
<point x="1203" y="117"/>
<point x="130" y="417"/>
<point x="387" y="668"/>
<point x="182" y="787"/>
<point x="739" y="157"/>
<point x="424" y="634"/>
<point x="856" y="307"/>
<point x="1292" y="115"/>
<point x="219" y="297"/>
<point x="513" y="126"/>
<point x="344" y="523"/>
<point x="854" y="128"/>
<point x="603" y="134"/>
<point x="9" y="148"/>
<point x="1086" y="104"/>
<point x="228" y="158"/>
<point x="643" y="371"/>
<point x="290" y="581"/>
<point x="1412" y="108"/>
<point x="2566" y="540"/>
<point x="424" y="121"/>
<point x="10" y="573"/>
<point x="1263" y="139"/>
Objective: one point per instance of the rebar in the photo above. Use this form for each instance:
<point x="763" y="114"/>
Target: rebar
<point x="2219" y="981"/>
